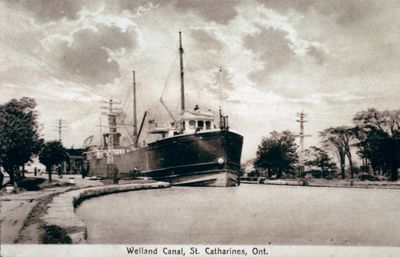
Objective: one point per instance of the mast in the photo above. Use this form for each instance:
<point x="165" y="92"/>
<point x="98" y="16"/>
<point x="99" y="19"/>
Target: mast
<point x="182" y="73"/>
<point x="221" y="82"/>
<point x="134" y="110"/>
<point x="221" y="117"/>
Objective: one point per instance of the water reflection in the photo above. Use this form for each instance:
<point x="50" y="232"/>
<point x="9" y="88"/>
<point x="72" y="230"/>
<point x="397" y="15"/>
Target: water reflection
<point x="249" y="214"/>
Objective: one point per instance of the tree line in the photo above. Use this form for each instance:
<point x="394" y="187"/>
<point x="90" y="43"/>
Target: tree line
<point x="374" y="137"/>
<point x="20" y="140"/>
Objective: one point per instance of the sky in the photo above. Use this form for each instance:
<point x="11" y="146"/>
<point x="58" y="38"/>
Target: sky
<point x="327" y="58"/>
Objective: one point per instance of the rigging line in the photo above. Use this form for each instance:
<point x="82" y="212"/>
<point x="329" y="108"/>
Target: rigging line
<point x="99" y="91"/>
<point x="192" y="82"/>
<point x="139" y="93"/>
<point x="124" y="94"/>
<point x="126" y="129"/>
<point x="173" y="62"/>
<point x="128" y="89"/>
<point x="92" y="90"/>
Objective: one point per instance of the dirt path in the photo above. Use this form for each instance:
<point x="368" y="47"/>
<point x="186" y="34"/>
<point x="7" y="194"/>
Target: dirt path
<point x="20" y="213"/>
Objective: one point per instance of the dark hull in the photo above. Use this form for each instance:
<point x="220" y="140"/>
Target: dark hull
<point x="183" y="160"/>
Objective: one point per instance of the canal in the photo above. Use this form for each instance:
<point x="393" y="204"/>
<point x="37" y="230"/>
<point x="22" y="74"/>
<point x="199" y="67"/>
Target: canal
<point x="249" y="214"/>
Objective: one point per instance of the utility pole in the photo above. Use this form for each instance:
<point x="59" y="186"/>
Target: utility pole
<point x="61" y="126"/>
<point x="101" y="133"/>
<point x="113" y="111"/>
<point x="301" y="135"/>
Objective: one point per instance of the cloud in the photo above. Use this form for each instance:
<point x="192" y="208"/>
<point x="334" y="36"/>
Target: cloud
<point x="279" y="56"/>
<point x="317" y="53"/>
<point x="45" y="11"/>
<point x="271" y="46"/>
<point x="49" y="10"/>
<point x="347" y="12"/>
<point x="284" y="5"/>
<point x="221" y="11"/>
<point x="88" y="56"/>
<point x="337" y="98"/>
<point x="137" y="6"/>
<point x="204" y="40"/>
<point x="220" y="84"/>
<point x="343" y="12"/>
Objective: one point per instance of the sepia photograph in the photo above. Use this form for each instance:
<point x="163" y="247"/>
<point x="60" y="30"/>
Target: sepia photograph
<point x="199" y="128"/>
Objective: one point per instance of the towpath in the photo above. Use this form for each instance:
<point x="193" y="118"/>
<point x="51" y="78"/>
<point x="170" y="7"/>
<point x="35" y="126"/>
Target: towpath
<point x="21" y="213"/>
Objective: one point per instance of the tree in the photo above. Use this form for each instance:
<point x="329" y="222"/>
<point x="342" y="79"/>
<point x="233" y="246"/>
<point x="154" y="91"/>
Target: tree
<point x="320" y="158"/>
<point x="348" y="136"/>
<point x="52" y="153"/>
<point x="277" y="153"/>
<point x="368" y="149"/>
<point x="379" y="139"/>
<point x="340" y="140"/>
<point x="19" y="135"/>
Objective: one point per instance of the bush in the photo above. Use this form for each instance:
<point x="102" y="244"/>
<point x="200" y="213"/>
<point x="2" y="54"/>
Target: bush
<point x="31" y="184"/>
<point x="134" y="174"/>
<point x="261" y="180"/>
<point x="304" y="182"/>
<point x="55" y="235"/>
<point x="369" y="177"/>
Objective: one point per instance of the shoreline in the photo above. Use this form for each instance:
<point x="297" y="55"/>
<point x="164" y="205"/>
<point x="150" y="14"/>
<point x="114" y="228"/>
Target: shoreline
<point x="66" y="203"/>
<point x="329" y="183"/>
<point x="29" y="215"/>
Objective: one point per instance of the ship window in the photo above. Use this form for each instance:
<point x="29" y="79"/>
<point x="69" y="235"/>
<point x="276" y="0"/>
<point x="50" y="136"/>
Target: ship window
<point x="183" y="125"/>
<point x="200" y="124"/>
<point x="208" y="124"/>
<point x="192" y="124"/>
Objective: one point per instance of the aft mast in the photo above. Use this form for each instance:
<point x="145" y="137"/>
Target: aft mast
<point x="182" y="74"/>
<point x="135" y="134"/>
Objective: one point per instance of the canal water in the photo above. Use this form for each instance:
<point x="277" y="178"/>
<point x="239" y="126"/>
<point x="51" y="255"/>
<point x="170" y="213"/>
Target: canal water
<point x="248" y="214"/>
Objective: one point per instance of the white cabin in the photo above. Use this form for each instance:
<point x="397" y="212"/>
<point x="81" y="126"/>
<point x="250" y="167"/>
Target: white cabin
<point x="189" y="122"/>
<point x="195" y="121"/>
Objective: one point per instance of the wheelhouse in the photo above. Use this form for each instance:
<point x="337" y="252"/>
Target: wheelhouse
<point x="195" y="121"/>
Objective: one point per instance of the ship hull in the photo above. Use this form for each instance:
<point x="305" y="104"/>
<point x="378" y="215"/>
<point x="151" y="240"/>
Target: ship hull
<point x="202" y="159"/>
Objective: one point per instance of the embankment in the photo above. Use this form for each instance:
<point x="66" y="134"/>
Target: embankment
<point x="328" y="183"/>
<point x="61" y="219"/>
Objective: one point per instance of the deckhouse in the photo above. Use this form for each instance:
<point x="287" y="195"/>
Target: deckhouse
<point x="196" y="121"/>
<point x="188" y="122"/>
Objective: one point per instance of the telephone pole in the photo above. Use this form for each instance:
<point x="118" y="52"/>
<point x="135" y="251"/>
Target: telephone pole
<point x="61" y="126"/>
<point x="112" y="112"/>
<point x="101" y="133"/>
<point x="301" y="135"/>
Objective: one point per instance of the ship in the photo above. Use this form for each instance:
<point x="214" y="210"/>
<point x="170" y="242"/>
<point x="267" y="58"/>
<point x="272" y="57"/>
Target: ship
<point x="195" y="149"/>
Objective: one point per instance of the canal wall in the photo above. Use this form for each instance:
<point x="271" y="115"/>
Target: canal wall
<point x="61" y="210"/>
<point x="328" y="183"/>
